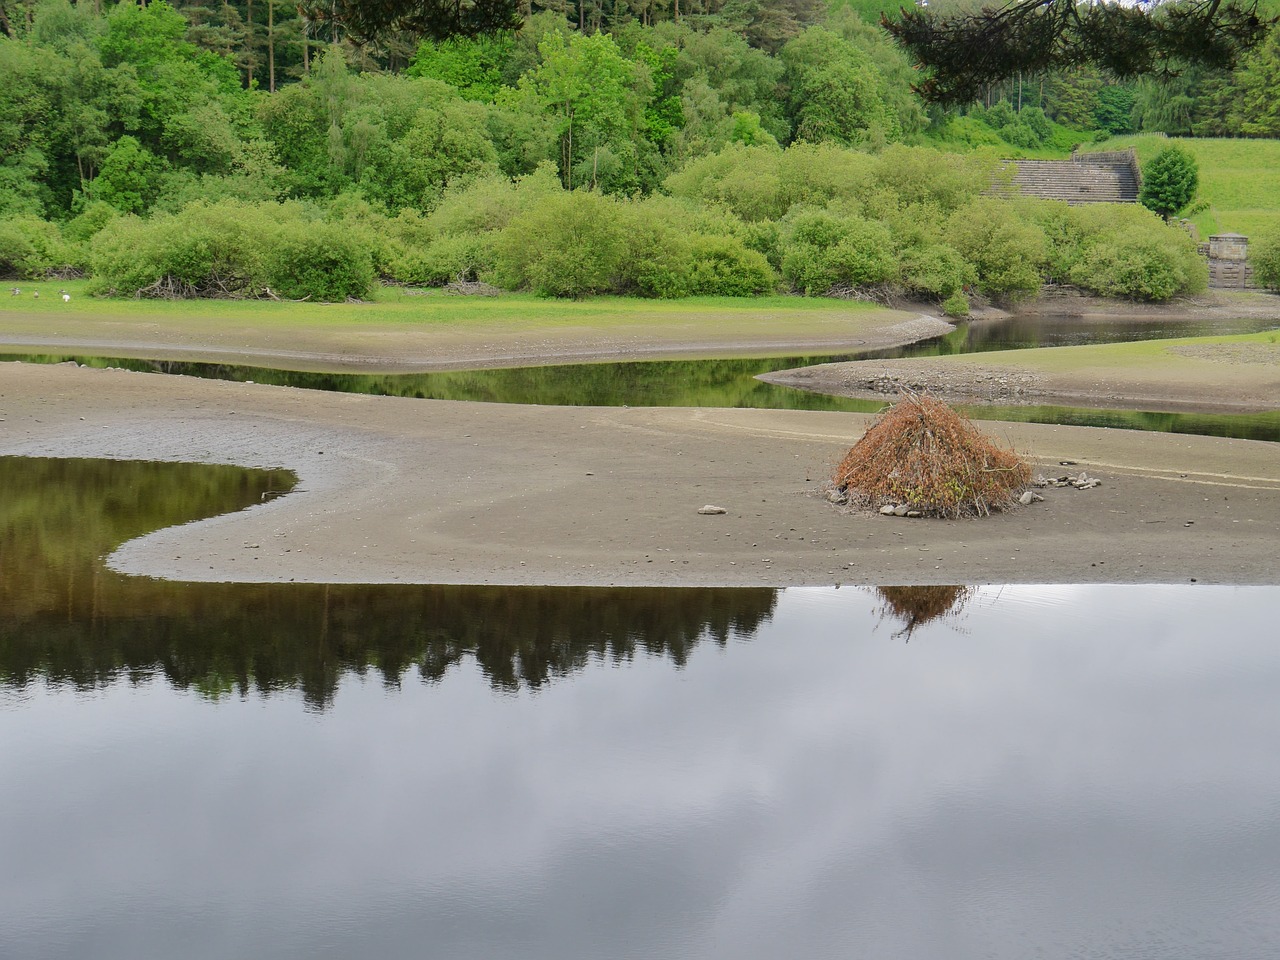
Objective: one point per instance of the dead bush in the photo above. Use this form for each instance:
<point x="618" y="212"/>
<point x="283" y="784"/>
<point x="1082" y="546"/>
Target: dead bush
<point x="923" y="454"/>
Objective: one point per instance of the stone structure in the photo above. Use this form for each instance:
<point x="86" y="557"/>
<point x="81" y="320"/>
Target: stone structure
<point x="1111" y="177"/>
<point x="1228" y="255"/>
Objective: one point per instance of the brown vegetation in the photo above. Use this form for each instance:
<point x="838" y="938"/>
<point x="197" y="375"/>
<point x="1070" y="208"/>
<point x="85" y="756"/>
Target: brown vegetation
<point x="918" y="605"/>
<point x="923" y="454"/>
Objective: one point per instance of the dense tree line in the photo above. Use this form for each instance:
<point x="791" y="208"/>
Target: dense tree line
<point x="662" y="150"/>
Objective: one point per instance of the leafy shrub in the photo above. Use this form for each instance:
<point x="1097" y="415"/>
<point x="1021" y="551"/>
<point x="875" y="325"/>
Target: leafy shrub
<point x="937" y="270"/>
<point x="658" y="259"/>
<point x="745" y="179"/>
<point x="16" y="250"/>
<point x="1005" y="251"/>
<point x="450" y="258"/>
<point x="568" y="245"/>
<point x="1264" y="254"/>
<point x="822" y="250"/>
<point x="30" y="247"/>
<point x="722" y="266"/>
<point x="956" y="305"/>
<point x="323" y="261"/>
<point x="1116" y="250"/>
<point x="922" y="176"/>
<point x="231" y="249"/>
<point x="89" y="221"/>
<point x="1141" y="265"/>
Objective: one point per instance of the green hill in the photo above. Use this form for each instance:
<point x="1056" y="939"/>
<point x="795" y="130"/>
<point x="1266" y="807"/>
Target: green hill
<point x="1239" y="180"/>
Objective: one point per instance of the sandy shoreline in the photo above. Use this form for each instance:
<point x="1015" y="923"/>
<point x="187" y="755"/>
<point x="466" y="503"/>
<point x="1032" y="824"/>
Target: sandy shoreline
<point x="396" y="490"/>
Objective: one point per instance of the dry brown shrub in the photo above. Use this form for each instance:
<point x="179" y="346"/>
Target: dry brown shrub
<point x="922" y="453"/>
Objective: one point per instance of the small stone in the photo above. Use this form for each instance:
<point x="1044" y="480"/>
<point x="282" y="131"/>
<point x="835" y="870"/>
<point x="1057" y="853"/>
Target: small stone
<point x="901" y="510"/>
<point x="914" y="514"/>
<point x="887" y="510"/>
<point x="712" y="509"/>
<point x="1027" y="498"/>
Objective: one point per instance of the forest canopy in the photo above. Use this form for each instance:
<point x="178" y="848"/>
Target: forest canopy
<point x="732" y="148"/>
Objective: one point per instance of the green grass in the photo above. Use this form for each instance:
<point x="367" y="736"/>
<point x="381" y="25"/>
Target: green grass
<point x="396" y="305"/>
<point x="416" y="330"/>
<point x="1138" y="355"/>
<point x="1239" y="179"/>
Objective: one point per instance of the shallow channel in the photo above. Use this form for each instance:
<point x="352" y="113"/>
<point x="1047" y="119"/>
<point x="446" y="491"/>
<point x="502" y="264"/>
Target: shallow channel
<point x="289" y="771"/>
<point x="732" y="383"/>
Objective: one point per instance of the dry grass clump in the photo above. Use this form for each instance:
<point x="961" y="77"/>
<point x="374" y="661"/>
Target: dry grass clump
<point x="923" y="454"/>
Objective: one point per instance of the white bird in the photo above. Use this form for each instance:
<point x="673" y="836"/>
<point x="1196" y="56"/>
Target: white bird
<point x="66" y="298"/>
<point x="36" y="295"/>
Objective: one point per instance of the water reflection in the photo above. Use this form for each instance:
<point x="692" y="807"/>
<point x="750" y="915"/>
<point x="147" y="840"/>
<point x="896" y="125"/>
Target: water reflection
<point x="914" y="606"/>
<point x="66" y="619"/>
<point x="733" y="383"/>
<point x="1099" y="782"/>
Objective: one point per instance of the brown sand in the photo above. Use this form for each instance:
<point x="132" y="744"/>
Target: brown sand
<point x="440" y="492"/>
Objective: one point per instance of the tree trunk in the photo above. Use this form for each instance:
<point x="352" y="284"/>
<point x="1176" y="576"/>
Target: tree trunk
<point x="248" y="39"/>
<point x="271" y="46"/>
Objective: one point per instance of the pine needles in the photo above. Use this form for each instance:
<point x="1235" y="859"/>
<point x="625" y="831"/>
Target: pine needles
<point x="922" y="454"/>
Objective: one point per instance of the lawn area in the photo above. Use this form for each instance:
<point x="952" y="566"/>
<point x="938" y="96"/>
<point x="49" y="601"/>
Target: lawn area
<point x="1239" y="179"/>
<point x="398" y="305"/>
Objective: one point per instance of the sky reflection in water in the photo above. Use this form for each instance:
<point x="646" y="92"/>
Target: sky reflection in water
<point x="1081" y="771"/>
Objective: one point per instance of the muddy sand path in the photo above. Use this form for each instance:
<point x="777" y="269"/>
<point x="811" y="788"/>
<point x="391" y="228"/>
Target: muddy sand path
<point x="396" y="490"/>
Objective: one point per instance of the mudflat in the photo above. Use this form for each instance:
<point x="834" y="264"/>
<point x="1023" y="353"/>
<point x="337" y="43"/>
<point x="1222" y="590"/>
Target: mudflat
<point x="398" y="490"/>
<point x="1231" y="374"/>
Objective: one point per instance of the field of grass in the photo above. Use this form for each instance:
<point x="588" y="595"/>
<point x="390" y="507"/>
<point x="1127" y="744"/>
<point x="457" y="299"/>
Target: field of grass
<point x="398" y="305"/>
<point x="420" y="330"/>
<point x="1239" y="180"/>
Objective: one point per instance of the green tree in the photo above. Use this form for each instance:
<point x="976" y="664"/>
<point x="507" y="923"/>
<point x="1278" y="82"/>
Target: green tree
<point x="1114" y="110"/>
<point x="835" y="92"/>
<point x="1169" y="182"/>
<point x="471" y="65"/>
<point x="1255" y="111"/>
<point x="595" y="97"/>
<point x="129" y="178"/>
<point x="964" y="51"/>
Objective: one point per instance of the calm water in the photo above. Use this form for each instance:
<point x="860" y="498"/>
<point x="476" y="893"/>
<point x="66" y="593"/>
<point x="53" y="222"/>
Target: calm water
<point x="1048" y="772"/>
<point x="281" y="771"/>
<point x="732" y="383"/>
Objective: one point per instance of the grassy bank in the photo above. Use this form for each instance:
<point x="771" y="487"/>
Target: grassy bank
<point x="1239" y="179"/>
<point x="399" y="306"/>
<point x="408" y="330"/>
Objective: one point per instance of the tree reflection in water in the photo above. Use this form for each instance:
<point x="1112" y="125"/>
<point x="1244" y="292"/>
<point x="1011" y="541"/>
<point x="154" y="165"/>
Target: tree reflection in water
<point x="66" y="619"/>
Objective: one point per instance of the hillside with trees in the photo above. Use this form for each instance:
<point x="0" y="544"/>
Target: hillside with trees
<point x="254" y="149"/>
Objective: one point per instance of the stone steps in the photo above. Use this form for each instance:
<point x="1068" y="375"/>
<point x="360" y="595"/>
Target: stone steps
<point x="1076" y="181"/>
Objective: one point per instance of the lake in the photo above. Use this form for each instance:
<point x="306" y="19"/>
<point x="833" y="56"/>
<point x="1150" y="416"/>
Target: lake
<point x="280" y="771"/>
